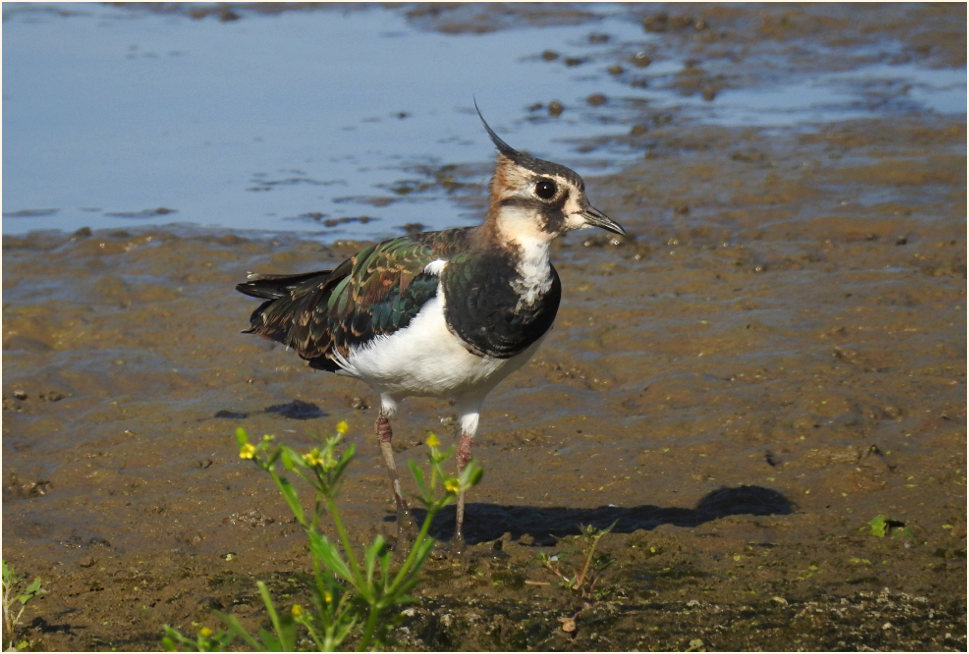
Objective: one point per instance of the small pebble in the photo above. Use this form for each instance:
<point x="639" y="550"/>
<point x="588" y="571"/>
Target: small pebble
<point x="642" y="59"/>
<point x="657" y="23"/>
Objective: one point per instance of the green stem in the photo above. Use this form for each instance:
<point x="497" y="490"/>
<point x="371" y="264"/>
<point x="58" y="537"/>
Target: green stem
<point x="370" y="627"/>
<point x="293" y="502"/>
<point x="352" y="561"/>
<point x="273" y="616"/>
<point x="588" y="561"/>
<point x="309" y="627"/>
<point x="405" y="569"/>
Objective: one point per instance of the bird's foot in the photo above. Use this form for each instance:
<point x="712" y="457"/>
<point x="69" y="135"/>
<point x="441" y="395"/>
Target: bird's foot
<point x="406" y="528"/>
<point x="458" y="545"/>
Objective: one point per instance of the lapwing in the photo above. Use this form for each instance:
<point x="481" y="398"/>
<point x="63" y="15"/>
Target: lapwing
<point x="445" y="314"/>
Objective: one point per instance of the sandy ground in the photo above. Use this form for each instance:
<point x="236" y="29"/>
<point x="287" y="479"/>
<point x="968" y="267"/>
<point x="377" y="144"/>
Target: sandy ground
<point x="774" y="359"/>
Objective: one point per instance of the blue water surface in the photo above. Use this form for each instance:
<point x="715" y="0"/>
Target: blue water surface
<point x="334" y="122"/>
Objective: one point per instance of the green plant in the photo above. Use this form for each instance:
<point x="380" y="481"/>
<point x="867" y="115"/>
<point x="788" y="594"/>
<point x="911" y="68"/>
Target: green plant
<point x="14" y="592"/>
<point x="352" y="595"/>
<point x="583" y="581"/>
<point x="882" y="526"/>
<point x="206" y="640"/>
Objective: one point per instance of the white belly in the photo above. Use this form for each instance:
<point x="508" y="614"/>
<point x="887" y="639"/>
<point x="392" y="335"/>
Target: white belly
<point x="425" y="358"/>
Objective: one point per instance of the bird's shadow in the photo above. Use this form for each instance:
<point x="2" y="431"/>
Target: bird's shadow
<point x="295" y="410"/>
<point x="488" y="522"/>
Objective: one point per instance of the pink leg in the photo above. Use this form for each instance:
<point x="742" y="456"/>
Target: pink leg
<point x="464" y="457"/>
<point x="384" y="436"/>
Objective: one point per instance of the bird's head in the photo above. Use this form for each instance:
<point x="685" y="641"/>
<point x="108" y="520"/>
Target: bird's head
<point x="537" y="199"/>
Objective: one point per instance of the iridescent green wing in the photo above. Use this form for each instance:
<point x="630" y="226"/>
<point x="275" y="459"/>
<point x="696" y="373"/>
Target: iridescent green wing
<point x="377" y="291"/>
<point x="384" y="288"/>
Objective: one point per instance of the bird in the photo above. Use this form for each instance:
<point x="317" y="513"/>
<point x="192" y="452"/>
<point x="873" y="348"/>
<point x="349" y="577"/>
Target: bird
<point x="445" y="314"/>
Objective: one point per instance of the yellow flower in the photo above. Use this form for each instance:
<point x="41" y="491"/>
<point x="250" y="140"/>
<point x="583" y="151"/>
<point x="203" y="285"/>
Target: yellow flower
<point x="452" y="485"/>
<point x="247" y="451"/>
<point x="205" y="632"/>
<point x="342" y="427"/>
<point x="432" y="441"/>
<point x="313" y="458"/>
<point x="327" y="596"/>
<point x="297" y="610"/>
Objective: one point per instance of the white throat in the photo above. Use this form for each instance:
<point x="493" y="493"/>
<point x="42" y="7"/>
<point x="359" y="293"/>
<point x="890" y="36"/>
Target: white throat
<point x="519" y="224"/>
<point x="521" y="228"/>
<point x="535" y="271"/>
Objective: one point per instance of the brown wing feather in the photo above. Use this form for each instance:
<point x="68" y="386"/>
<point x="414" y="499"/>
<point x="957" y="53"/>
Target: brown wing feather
<point x="377" y="291"/>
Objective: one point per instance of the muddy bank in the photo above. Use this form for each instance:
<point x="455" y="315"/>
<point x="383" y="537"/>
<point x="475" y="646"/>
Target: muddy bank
<point x="743" y="388"/>
<point x="773" y="362"/>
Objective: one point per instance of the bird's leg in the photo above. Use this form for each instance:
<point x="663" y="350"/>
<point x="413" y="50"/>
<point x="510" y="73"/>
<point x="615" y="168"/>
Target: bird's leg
<point x="384" y="436"/>
<point x="463" y="457"/>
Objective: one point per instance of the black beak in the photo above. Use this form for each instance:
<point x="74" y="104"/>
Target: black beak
<point x="595" y="218"/>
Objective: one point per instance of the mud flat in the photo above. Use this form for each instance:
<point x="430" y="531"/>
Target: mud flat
<point x="764" y="389"/>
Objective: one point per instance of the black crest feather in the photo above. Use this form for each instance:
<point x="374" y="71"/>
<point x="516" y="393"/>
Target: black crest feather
<point x="536" y="165"/>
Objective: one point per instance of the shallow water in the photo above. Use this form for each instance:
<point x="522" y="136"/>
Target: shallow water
<point x="352" y="122"/>
<point x="774" y="359"/>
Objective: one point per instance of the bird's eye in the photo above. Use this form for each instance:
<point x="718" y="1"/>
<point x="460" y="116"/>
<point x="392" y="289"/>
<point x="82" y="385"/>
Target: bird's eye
<point x="545" y="189"/>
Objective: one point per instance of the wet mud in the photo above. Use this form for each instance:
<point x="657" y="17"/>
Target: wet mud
<point x="772" y="363"/>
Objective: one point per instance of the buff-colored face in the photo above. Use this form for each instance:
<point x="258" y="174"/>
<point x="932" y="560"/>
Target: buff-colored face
<point x="542" y="201"/>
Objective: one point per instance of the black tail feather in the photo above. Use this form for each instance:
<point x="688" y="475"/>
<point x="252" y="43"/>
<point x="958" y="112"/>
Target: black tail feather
<point x="294" y="311"/>
<point x="272" y="287"/>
